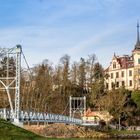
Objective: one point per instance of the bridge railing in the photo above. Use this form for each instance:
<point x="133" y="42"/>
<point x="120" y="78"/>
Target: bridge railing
<point x="47" y="117"/>
<point x="6" y="113"/>
<point x="39" y="117"/>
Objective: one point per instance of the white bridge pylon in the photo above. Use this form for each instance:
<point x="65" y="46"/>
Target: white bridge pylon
<point x="77" y="105"/>
<point x="10" y="81"/>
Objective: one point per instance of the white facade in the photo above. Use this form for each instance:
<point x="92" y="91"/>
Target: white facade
<point x="118" y="76"/>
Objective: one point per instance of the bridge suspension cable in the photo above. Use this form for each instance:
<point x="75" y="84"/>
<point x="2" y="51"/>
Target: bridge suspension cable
<point x="28" y="67"/>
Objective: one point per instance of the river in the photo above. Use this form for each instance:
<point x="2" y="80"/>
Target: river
<point x="88" y="139"/>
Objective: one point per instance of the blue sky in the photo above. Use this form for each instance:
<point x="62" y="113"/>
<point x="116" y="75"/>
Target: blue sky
<point x="48" y="29"/>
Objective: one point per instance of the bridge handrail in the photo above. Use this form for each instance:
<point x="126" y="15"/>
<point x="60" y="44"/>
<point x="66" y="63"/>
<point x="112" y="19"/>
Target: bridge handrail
<point x="39" y="117"/>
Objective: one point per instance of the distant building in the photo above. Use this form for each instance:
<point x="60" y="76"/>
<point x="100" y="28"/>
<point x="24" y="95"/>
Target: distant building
<point x="125" y="70"/>
<point x="96" y="116"/>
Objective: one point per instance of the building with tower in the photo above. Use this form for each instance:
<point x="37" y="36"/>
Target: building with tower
<point x="125" y="70"/>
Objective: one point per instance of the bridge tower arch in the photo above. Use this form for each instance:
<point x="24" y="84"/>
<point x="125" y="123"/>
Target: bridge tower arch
<point x="9" y="82"/>
<point x="77" y="105"/>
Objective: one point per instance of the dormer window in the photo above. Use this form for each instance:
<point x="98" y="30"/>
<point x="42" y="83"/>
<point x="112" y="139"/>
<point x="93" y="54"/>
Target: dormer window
<point x="114" y="65"/>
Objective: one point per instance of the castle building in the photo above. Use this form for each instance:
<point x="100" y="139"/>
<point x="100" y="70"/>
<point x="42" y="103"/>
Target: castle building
<point x="125" y="70"/>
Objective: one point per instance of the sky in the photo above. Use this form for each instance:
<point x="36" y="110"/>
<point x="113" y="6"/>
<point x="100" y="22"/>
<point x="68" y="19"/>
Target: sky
<point x="49" y="29"/>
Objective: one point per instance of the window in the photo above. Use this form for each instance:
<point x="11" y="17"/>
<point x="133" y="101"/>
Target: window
<point x="117" y="84"/>
<point x="138" y="71"/>
<point x="114" y="65"/>
<point x="112" y="85"/>
<point x="106" y="85"/>
<point x="123" y="83"/>
<point x="130" y="83"/>
<point x="139" y="82"/>
<point x="117" y="75"/>
<point x="130" y="72"/>
<point x="139" y="61"/>
<point x="111" y="75"/>
<point x="122" y="73"/>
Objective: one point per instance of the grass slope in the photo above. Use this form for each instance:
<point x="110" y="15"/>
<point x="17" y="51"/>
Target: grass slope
<point x="10" y="132"/>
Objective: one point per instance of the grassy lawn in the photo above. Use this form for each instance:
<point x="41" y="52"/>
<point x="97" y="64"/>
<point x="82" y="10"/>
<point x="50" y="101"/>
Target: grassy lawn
<point x="124" y="132"/>
<point x="10" y="132"/>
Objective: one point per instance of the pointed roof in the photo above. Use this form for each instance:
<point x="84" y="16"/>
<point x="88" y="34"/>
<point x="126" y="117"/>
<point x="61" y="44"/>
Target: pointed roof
<point x="137" y="46"/>
<point x="114" y="54"/>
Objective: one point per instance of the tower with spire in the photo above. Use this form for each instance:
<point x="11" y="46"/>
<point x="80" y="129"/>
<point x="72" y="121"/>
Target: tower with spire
<point x="125" y="70"/>
<point x="136" y="51"/>
<point x="137" y="46"/>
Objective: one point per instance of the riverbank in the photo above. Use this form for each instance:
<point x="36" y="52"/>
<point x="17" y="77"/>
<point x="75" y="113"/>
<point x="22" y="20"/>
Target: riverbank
<point x="125" y="134"/>
<point x="73" y="131"/>
<point x="52" y="131"/>
<point x="65" y="131"/>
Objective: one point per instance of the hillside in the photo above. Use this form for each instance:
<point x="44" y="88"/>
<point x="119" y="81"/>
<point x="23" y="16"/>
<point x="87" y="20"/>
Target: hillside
<point x="10" y="132"/>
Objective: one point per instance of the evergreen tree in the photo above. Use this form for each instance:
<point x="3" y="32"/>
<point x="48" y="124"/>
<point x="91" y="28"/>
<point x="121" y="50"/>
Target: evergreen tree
<point x="82" y="76"/>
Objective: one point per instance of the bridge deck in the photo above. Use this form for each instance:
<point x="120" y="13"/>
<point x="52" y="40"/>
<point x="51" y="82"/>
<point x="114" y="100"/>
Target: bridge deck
<point x="42" y="117"/>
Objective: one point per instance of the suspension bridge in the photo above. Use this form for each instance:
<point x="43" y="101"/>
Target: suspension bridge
<point x="9" y="83"/>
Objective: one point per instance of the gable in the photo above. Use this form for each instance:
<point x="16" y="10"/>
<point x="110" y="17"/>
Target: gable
<point x="114" y="64"/>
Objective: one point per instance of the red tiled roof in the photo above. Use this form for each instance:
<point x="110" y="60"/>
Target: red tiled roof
<point x="125" y="61"/>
